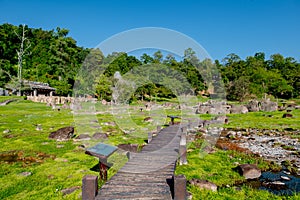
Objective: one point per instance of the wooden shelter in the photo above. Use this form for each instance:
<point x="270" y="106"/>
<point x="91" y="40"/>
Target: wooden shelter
<point x="34" y="88"/>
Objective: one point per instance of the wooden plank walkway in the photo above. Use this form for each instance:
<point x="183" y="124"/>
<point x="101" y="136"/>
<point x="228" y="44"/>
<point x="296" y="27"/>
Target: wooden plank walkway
<point x="147" y="174"/>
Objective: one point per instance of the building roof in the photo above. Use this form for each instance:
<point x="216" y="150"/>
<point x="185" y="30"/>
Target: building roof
<point x="38" y="85"/>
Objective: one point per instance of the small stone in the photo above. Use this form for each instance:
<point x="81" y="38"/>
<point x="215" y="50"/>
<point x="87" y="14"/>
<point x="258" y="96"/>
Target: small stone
<point x="148" y="119"/>
<point x="81" y="146"/>
<point x="98" y="136"/>
<point x="204" y="184"/>
<point x="238" y="188"/>
<point x="285" y="178"/>
<point x="277" y="183"/>
<point x="70" y="190"/>
<point x="287" y="172"/>
<point x="59" y="146"/>
<point x="38" y="127"/>
<point x="25" y="174"/>
<point x="83" y="137"/>
<point x="6" y="131"/>
<point x="287" y="115"/>
<point x="51" y="176"/>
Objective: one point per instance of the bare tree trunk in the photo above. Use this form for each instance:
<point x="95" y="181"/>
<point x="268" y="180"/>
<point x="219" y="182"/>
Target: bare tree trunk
<point x="21" y="54"/>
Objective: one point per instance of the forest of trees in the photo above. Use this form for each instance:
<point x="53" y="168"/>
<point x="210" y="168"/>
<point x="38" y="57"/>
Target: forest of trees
<point x="53" y="57"/>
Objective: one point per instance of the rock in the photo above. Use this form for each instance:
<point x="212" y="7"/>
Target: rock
<point x="297" y="107"/>
<point x="6" y="131"/>
<point x="231" y="134"/>
<point x="109" y="123"/>
<point x="62" y="134"/>
<point x="249" y="171"/>
<point x="285" y="178"/>
<point x="38" y="127"/>
<point x="287" y="172"/>
<point x="25" y="174"/>
<point x="277" y="183"/>
<point x="98" y="136"/>
<point x="129" y="147"/>
<point x="204" y="184"/>
<point x="253" y="106"/>
<point x="104" y="102"/>
<point x="50" y="177"/>
<point x="208" y="149"/>
<point x="223" y="119"/>
<point x="148" y="119"/>
<point x="59" y="146"/>
<point x="83" y="137"/>
<point x="81" y="146"/>
<point x="238" y="109"/>
<point x="268" y="106"/>
<point x="287" y="115"/>
<point x="65" y="106"/>
<point x="70" y="190"/>
<point x="203" y="110"/>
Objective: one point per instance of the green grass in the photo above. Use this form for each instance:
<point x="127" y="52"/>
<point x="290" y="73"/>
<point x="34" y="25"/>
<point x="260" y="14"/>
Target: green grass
<point x="59" y="165"/>
<point x="264" y="120"/>
<point x="219" y="169"/>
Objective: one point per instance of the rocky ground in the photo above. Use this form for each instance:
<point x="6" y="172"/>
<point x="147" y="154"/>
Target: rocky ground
<point x="277" y="146"/>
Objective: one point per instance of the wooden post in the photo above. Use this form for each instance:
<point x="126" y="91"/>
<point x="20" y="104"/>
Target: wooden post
<point x="103" y="170"/>
<point x="128" y="155"/>
<point x="149" y="137"/>
<point x="182" y="149"/>
<point x="182" y="154"/>
<point x="183" y="129"/>
<point x="158" y="128"/>
<point x="189" y="124"/>
<point x="89" y="187"/>
<point x="180" y="187"/>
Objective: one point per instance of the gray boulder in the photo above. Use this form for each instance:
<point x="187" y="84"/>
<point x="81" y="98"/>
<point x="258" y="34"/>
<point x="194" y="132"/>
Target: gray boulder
<point x="238" y="109"/>
<point x="83" y="137"/>
<point x="203" y="109"/>
<point x="269" y="106"/>
<point x="98" y="136"/>
<point x="253" y="106"/>
<point x="62" y="134"/>
<point x="203" y="184"/>
<point x="249" y="171"/>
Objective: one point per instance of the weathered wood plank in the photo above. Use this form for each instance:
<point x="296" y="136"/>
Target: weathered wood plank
<point x="155" y="163"/>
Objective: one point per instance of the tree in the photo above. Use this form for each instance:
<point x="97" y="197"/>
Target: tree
<point x="24" y="46"/>
<point x="103" y="87"/>
<point x="145" y="59"/>
<point x="239" y="89"/>
<point x="157" y="57"/>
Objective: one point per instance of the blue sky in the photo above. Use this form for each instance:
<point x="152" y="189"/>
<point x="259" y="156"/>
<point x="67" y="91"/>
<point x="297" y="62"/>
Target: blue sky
<point x="243" y="27"/>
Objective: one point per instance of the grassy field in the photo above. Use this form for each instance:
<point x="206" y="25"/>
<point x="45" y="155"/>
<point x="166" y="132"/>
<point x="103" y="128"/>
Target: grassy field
<point x="55" y="166"/>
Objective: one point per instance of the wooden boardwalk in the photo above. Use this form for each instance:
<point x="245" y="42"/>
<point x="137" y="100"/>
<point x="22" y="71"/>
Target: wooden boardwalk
<point x="148" y="174"/>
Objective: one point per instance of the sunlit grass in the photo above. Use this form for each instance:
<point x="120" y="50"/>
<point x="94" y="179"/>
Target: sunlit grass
<point x="67" y="163"/>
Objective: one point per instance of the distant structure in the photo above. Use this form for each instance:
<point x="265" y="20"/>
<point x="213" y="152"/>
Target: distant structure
<point x="3" y="92"/>
<point x="33" y="88"/>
